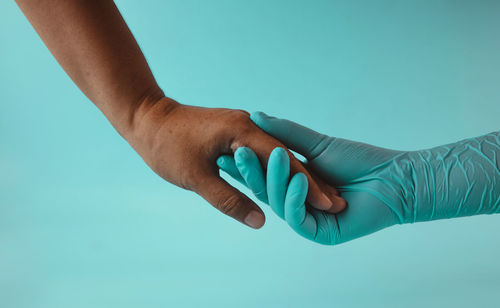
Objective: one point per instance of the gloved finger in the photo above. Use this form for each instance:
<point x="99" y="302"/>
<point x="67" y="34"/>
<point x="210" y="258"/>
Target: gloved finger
<point x="229" y="200"/>
<point x="312" y="224"/>
<point x="295" y="209"/>
<point x="250" y="169"/>
<point x="335" y="159"/>
<point x="227" y="164"/>
<point x="263" y="144"/>
<point x="296" y="215"/>
<point x="254" y="176"/>
<point x="278" y="173"/>
<point x="299" y="138"/>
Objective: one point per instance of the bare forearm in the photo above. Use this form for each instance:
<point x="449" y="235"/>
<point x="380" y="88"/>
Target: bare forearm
<point x="91" y="41"/>
<point x="93" y="44"/>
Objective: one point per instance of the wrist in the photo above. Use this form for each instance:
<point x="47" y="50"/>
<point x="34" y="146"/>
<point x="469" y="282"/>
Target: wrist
<point x="146" y="118"/>
<point x="132" y="118"/>
<point x="457" y="179"/>
<point x="422" y="181"/>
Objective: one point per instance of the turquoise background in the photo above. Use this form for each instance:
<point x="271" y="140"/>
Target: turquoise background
<point x="84" y="222"/>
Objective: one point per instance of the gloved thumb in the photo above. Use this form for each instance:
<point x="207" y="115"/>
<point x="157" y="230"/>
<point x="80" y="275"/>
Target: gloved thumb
<point x="337" y="160"/>
<point x="294" y="136"/>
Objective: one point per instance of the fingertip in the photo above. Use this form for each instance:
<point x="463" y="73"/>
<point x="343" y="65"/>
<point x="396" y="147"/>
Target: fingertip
<point x="280" y="155"/>
<point x="255" y="219"/>
<point x="229" y="200"/>
<point x="319" y="200"/>
<point x="316" y="197"/>
<point x="221" y="161"/>
<point x="241" y="153"/>
<point x="339" y="204"/>
<point x="257" y="116"/>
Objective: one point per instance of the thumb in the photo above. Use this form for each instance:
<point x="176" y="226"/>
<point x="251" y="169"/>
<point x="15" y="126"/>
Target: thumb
<point x="337" y="160"/>
<point x="230" y="201"/>
<point x="294" y="136"/>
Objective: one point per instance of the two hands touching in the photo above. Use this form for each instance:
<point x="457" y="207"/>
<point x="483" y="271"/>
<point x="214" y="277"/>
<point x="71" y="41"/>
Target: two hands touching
<point x="181" y="143"/>
<point x="382" y="187"/>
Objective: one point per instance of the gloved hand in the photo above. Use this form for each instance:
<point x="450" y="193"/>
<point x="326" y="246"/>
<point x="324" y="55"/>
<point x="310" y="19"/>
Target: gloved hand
<point x="382" y="187"/>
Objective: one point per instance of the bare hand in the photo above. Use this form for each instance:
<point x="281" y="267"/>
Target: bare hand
<point x="181" y="144"/>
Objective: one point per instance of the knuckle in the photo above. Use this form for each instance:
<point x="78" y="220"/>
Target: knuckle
<point x="241" y="114"/>
<point x="238" y="128"/>
<point x="235" y="116"/>
<point x="230" y="205"/>
<point x="241" y="122"/>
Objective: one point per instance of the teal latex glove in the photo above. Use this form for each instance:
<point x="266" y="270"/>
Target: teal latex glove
<point x="382" y="187"/>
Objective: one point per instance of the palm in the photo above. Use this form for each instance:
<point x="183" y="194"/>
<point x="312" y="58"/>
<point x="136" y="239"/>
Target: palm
<point x="369" y="180"/>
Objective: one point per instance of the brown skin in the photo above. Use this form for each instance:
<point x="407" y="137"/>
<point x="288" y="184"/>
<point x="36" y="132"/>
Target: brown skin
<point x="93" y="44"/>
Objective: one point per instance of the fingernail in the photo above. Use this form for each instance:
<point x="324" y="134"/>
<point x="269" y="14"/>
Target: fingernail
<point x="220" y="161"/>
<point x="340" y="204"/>
<point x="254" y="219"/>
<point x="325" y="202"/>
